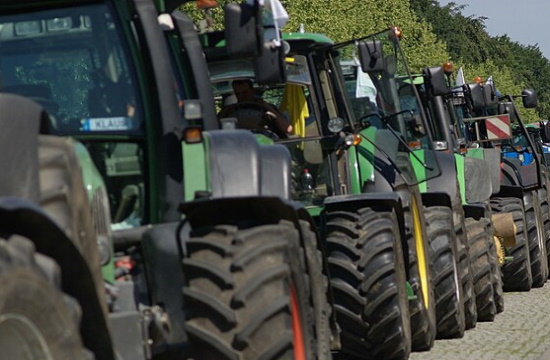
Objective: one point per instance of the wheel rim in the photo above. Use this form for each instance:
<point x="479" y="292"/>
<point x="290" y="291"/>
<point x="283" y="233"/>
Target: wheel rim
<point x="420" y="253"/>
<point x="21" y="339"/>
<point x="298" y="336"/>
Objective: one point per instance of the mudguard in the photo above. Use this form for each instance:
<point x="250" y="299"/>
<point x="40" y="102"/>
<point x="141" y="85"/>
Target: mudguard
<point x="442" y="189"/>
<point x="517" y="174"/>
<point x="492" y="159"/>
<point x="239" y="166"/>
<point x="510" y="191"/>
<point x="510" y="172"/>
<point x="275" y="177"/>
<point x="477" y="180"/>
<point x="18" y="216"/>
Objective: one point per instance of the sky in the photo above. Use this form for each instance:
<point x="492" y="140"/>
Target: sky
<point x="524" y="21"/>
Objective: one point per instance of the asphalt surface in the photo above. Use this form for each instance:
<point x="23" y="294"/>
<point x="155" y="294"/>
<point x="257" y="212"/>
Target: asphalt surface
<point x="522" y="331"/>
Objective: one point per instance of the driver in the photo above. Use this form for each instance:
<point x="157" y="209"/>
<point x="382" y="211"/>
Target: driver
<point x="245" y="93"/>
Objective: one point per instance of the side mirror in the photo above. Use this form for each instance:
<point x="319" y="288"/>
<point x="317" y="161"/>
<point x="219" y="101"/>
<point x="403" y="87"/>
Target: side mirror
<point x="476" y="96"/>
<point x="243" y="31"/>
<point x="270" y="67"/>
<point x="489" y="95"/>
<point x="434" y="80"/>
<point x="529" y="98"/>
<point x="371" y="56"/>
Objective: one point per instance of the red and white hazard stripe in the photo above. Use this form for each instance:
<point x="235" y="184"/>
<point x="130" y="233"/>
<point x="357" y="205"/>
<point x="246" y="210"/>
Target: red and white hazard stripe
<point x="498" y="127"/>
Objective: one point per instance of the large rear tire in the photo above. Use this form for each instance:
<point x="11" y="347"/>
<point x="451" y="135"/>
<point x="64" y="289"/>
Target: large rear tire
<point x="517" y="272"/>
<point x="249" y="294"/>
<point x="496" y="270"/>
<point x="37" y="321"/>
<point x="448" y="287"/>
<point x="535" y="238"/>
<point x="367" y="270"/>
<point x="478" y="239"/>
<point x="467" y="280"/>
<point x="63" y="197"/>
<point x="545" y="213"/>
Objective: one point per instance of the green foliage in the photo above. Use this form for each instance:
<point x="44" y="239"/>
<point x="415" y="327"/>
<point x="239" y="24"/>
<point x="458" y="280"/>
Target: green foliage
<point x="432" y="34"/>
<point x="467" y="41"/>
<point x="345" y="19"/>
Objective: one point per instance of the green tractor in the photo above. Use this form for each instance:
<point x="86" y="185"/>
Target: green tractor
<point x="474" y="178"/>
<point x="488" y="122"/>
<point x="350" y="171"/>
<point x="203" y="255"/>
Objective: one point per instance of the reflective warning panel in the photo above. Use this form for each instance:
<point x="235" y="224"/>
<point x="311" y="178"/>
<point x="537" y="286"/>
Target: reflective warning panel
<point x="490" y="128"/>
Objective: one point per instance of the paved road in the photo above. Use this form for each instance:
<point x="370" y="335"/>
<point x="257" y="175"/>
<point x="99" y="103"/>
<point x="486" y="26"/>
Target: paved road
<point x="522" y="331"/>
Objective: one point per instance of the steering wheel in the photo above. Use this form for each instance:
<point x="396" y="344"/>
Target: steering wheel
<point x="251" y="115"/>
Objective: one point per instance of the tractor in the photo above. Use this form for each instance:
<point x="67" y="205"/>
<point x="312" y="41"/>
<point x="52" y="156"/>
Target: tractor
<point x="351" y="170"/>
<point x="486" y="122"/>
<point x="131" y="228"/>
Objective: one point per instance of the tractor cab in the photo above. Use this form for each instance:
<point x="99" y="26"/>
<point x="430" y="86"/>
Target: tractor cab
<point x="385" y="102"/>
<point x="295" y="102"/>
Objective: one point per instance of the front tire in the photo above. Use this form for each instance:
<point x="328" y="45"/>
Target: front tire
<point x="481" y="267"/>
<point x="517" y="272"/>
<point x="443" y="257"/>
<point x="37" y="320"/>
<point x="535" y="239"/>
<point x="368" y="277"/>
<point x="248" y="293"/>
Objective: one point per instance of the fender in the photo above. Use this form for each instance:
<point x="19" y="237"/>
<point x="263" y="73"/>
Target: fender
<point x="510" y="191"/>
<point x="378" y="200"/>
<point x="526" y="176"/>
<point x="444" y="184"/>
<point x="510" y="172"/>
<point x="477" y="180"/>
<point x="275" y="171"/>
<point x="21" y="217"/>
<point x="239" y="166"/>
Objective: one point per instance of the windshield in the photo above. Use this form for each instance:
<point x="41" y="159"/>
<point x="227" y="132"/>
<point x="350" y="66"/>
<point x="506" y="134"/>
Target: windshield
<point x="386" y="98"/>
<point x="71" y="62"/>
<point x="222" y="73"/>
